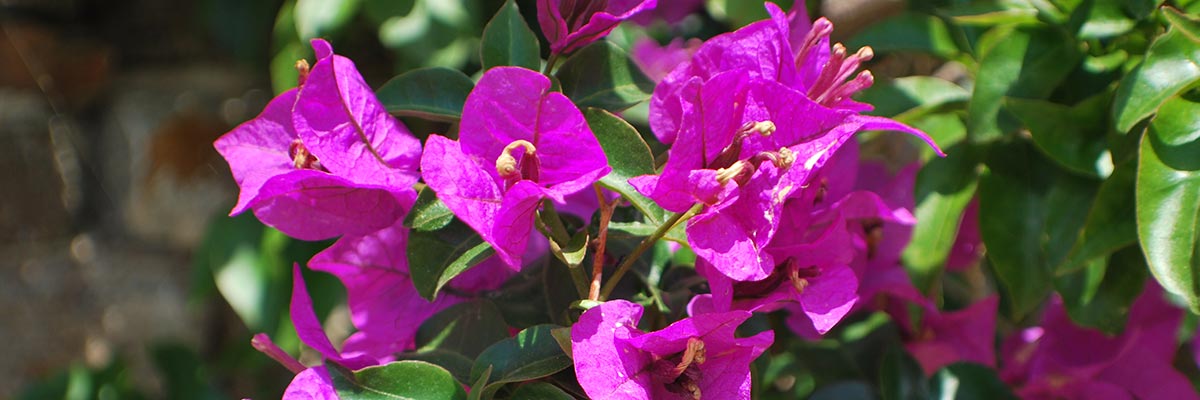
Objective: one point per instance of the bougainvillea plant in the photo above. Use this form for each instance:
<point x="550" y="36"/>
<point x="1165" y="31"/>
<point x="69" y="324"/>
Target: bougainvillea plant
<point x="733" y="216"/>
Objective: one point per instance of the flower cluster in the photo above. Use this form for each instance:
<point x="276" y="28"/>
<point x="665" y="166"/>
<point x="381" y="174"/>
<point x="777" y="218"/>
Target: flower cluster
<point x="762" y="174"/>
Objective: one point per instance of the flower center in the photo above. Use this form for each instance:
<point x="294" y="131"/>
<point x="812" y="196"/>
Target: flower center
<point x="301" y="158"/>
<point x="680" y="373"/>
<point x="790" y="271"/>
<point x="302" y="71"/>
<point x="729" y="155"/>
<point x="873" y="228"/>
<point x="834" y="83"/>
<point x="523" y="165"/>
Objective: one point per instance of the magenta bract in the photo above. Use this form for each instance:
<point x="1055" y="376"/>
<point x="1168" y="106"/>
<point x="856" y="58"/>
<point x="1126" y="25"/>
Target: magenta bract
<point x="324" y="159"/>
<point x="571" y="24"/>
<point x="692" y="358"/>
<point x="519" y="143"/>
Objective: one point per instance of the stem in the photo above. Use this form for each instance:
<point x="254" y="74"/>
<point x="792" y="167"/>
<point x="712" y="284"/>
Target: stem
<point x="606" y="212"/>
<point x="557" y="229"/>
<point x="550" y="64"/>
<point x="644" y="245"/>
<point x="578" y="276"/>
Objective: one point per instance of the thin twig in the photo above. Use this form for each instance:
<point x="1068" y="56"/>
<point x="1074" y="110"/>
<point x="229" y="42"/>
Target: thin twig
<point x="606" y="213"/>
<point x="645" y="245"/>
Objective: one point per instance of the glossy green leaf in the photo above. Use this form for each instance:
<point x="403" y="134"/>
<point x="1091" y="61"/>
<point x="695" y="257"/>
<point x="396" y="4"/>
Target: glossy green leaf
<point x="1100" y="295"/>
<point x="532" y="354"/>
<point x="397" y="380"/>
<point x="507" y="40"/>
<point x="628" y="155"/>
<point x="909" y="98"/>
<point x="991" y="13"/>
<point x="322" y="18"/>
<point x="428" y="213"/>
<point x="901" y="377"/>
<point x="434" y="258"/>
<point x="1110" y="222"/>
<point x="1023" y="62"/>
<point x="1168" y="198"/>
<point x="1186" y="24"/>
<point x="965" y="381"/>
<point x="457" y="364"/>
<point x="601" y="75"/>
<point x="1171" y="65"/>
<point x="943" y="189"/>
<point x="433" y="93"/>
<point x="908" y="32"/>
<point x="540" y="391"/>
<point x="1101" y="19"/>
<point x="1029" y="216"/>
<point x="466" y="328"/>
<point x="1073" y="136"/>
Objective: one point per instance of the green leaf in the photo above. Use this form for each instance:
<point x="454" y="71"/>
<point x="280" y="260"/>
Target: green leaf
<point x="1110" y="222"/>
<point x="964" y="381"/>
<point x="434" y="258"/>
<point x="943" y="189"/>
<point x="458" y="365"/>
<point x="540" y="391"/>
<point x="428" y="213"/>
<point x="1029" y="216"/>
<point x="434" y="93"/>
<point x="478" y="384"/>
<point x="532" y="354"/>
<point x="628" y="155"/>
<point x="1186" y="25"/>
<point x="397" y="380"/>
<point x="1024" y="62"/>
<point x="563" y="337"/>
<point x="1100" y="295"/>
<point x="507" y="40"/>
<point x="1073" y="136"/>
<point x="467" y="328"/>
<point x="901" y="377"/>
<point x="1171" y="65"/>
<point x="321" y="18"/>
<point x="910" y="98"/>
<point x="1168" y="198"/>
<point x="1102" y="19"/>
<point x="576" y="249"/>
<point x="908" y="32"/>
<point x="601" y="75"/>
<point x="990" y="13"/>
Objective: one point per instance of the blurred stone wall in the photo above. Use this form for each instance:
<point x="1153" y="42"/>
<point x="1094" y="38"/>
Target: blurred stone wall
<point x="108" y="111"/>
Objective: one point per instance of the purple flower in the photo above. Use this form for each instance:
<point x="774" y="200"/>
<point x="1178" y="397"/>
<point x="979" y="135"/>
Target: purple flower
<point x="968" y="244"/>
<point x="310" y="383"/>
<point x="1060" y="360"/>
<point x="571" y="24"/>
<point x="519" y="143"/>
<point x="964" y="335"/>
<point x="324" y="159"/>
<point x="749" y="128"/>
<point x="384" y="305"/>
<point x="693" y="358"/>
<point x="658" y="61"/>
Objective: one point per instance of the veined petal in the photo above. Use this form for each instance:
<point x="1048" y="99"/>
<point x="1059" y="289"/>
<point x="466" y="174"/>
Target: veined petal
<point x="342" y="122"/>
